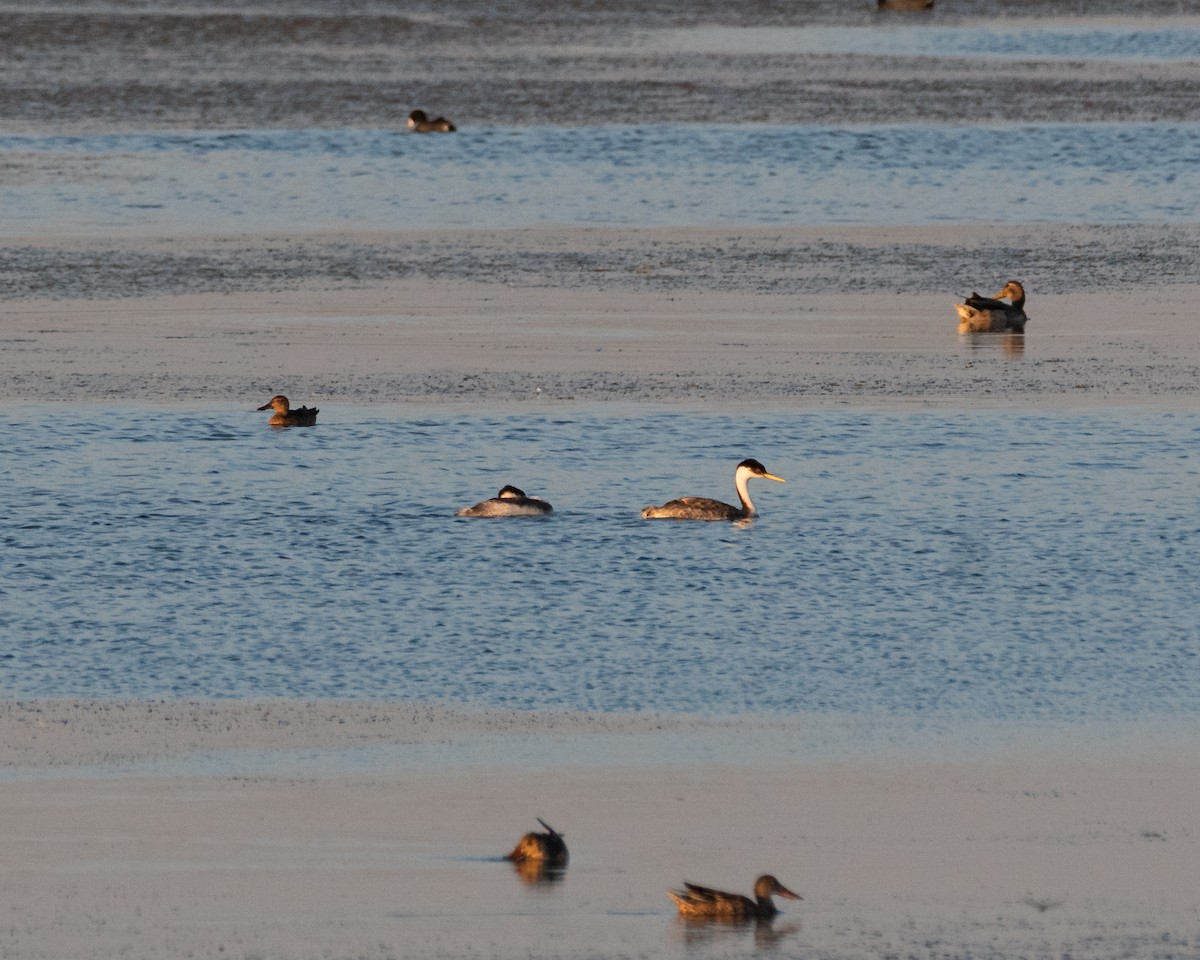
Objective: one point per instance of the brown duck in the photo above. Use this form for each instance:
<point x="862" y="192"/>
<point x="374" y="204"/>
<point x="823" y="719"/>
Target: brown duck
<point x="419" y="123"/>
<point x="548" y="848"/>
<point x="991" y="314"/>
<point x="697" y="901"/>
<point x="285" y="416"/>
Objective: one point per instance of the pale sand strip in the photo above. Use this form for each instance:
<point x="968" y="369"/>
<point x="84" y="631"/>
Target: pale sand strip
<point x="735" y="323"/>
<point x="1030" y="853"/>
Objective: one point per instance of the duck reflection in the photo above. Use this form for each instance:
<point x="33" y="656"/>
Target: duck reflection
<point x="1012" y="345"/>
<point x="537" y="873"/>
<point x="540" y="857"/>
<point x="705" y="932"/>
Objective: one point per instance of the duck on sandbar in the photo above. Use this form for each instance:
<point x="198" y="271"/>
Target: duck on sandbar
<point x="510" y="502"/>
<point x="287" y="417"/>
<point x="705" y="508"/>
<point x="547" y="848"/>
<point x="697" y="901"/>
<point x="991" y="314"/>
<point x="419" y="123"/>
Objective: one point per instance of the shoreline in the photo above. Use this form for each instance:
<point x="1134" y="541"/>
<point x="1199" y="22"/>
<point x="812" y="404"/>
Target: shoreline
<point x="85" y="737"/>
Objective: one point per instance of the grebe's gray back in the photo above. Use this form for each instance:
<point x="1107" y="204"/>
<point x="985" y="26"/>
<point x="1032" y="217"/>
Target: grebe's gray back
<point x="705" y="508"/>
<point x="509" y="502"/>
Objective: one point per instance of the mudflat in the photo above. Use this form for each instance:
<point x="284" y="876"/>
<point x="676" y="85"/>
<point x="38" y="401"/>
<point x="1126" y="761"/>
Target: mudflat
<point x="304" y="829"/>
<point x="785" y="317"/>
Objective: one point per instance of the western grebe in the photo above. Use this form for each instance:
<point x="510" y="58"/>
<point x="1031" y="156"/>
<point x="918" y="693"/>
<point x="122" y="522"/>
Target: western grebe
<point x="696" y="901"/>
<point x="510" y="502"/>
<point x="422" y="124"/>
<point x="705" y="508"/>
<point x="285" y="416"/>
<point x="548" y="848"/>
<point x="991" y="314"/>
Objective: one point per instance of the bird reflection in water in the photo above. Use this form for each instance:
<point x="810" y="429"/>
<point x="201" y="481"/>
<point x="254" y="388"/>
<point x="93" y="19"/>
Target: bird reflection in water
<point x="705" y="932"/>
<point x="538" y="873"/>
<point x="1012" y="345"/>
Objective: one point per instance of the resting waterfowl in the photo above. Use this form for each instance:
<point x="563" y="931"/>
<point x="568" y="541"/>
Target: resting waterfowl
<point x="510" y="502"/>
<point x="420" y="123"/>
<point x="903" y="5"/>
<point x="547" y="848"/>
<point x="287" y="417"/>
<point x="991" y="314"/>
<point x="697" y="901"/>
<point x="705" y="508"/>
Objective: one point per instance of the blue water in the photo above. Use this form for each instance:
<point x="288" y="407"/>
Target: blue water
<point x="1032" y="566"/>
<point x="670" y="175"/>
<point x="1079" y="40"/>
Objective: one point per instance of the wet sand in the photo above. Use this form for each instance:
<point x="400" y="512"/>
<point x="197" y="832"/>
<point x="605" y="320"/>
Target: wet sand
<point x="1035" y="851"/>
<point x="558" y="314"/>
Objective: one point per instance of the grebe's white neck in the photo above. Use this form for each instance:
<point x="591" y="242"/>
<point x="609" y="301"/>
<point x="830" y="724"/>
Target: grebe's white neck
<point x="741" y="479"/>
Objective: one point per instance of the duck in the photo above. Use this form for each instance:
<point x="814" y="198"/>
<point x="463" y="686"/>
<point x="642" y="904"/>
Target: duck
<point x="418" y="122"/>
<point x="510" y="502"/>
<point x="549" y="848"/>
<point x="697" y="901"/>
<point x="705" y="508"/>
<point x="991" y="314"/>
<point x="905" y="5"/>
<point x="285" y="416"/>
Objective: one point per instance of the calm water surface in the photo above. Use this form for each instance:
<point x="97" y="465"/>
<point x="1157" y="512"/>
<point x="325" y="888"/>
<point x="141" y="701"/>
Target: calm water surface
<point x="1078" y="39"/>
<point x="973" y="565"/>
<point x="668" y="175"/>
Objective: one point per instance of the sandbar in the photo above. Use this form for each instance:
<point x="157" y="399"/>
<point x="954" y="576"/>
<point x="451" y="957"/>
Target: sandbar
<point x="709" y="317"/>
<point x="265" y="840"/>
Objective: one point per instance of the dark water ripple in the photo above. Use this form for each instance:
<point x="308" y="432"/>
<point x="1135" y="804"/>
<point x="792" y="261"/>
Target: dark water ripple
<point x="973" y="565"/>
<point x="1079" y="39"/>
<point x="656" y="175"/>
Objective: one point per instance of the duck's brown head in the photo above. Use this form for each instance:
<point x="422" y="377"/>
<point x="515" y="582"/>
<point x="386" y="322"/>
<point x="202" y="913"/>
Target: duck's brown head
<point x="1013" y="291"/>
<point x="548" y="847"/>
<point x="278" y="403"/>
<point x="767" y="885"/>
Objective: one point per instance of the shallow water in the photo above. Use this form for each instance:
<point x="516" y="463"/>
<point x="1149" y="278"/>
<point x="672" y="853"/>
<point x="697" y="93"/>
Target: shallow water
<point x="1077" y="39"/>
<point x="170" y="184"/>
<point x="1033" y="566"/>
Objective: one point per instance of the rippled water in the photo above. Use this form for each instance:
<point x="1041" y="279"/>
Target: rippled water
<point x="668" y="175"/>
<point x="1147" y="39"/>
<point x="941" y="565"/>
